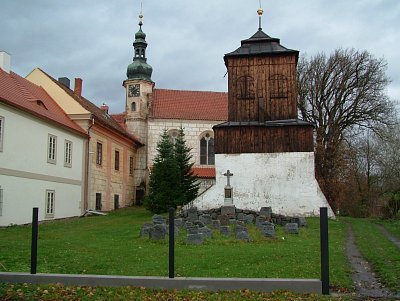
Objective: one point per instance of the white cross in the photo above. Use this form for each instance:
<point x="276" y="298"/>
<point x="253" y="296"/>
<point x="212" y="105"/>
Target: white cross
<point x="228" y="174"/>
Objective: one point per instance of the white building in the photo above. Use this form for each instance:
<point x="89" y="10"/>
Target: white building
<point x="41" y="153"/>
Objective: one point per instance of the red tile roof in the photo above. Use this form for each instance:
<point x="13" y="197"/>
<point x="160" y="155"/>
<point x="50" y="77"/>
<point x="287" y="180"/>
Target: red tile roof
<point x="204" y="172"/>
<point x="24" y="95"/>
<point x="100" y="115"/>
<point x="120" y="118"/>
<point x="190" y="105"/>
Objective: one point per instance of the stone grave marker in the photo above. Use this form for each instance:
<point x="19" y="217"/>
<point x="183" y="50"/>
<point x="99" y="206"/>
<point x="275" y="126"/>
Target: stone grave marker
<point x="206" y="232"/>
<point x="145" y="230"/>
<point x="266" y="212"/>
<point x="301" y="221"/>
<point x="243" y="235"/>
<point x="194" y="239"/>
<point x="224" y="220"/>
<point x="225" y="230"/>
<point x="192" y="230"/>
<point x="158" y="232"/>
<point x="229" y="211"/>
<point x="216" y="224"/>
<point x="260" y="220"/>
<point x="178" y="222"/>
<point x="267" y="229"/>
<point x="292" y="228"/>
<point x="205" y="219"/>
<point x="158" y="219"/>
<point x="248" y="219"/>
<point x="192" y="214"/>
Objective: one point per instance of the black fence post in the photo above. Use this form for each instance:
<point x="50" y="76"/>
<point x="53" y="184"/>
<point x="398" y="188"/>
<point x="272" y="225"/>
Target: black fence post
<point x="324" y="250"/>
<point x="171" y="242"/>
<point x="35" y="215"/>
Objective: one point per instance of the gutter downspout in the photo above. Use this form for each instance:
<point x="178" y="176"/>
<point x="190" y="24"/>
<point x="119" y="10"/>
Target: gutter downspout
<point x="87" y="170"/>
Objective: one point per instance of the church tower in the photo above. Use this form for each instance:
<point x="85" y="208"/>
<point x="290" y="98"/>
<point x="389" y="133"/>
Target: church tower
<point x="264" y="154"/>
<point x="139" y="89"/>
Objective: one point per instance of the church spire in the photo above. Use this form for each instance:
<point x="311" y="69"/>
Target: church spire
<point x="260" y="13"/>
<point x="139" y="69"/>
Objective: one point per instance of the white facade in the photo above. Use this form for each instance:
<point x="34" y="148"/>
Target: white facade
<point x="27" y="174"/>
<point x="283" y="181"/>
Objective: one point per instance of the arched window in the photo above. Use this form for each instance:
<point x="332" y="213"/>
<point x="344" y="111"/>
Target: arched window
<point x="173" y="135"/>
<point x="245" y="88"/>
<point x="207" y="156"/>
<point x="133" y="106"/>
<point x="278" y="86"/>
<point x="137" y="52"/>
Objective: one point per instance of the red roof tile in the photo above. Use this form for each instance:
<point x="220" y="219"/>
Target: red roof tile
<point x="204" y="172"/>
<point x="120" y="118"/>
<point x="24" y="95"/>
<point x="190" y="105"/>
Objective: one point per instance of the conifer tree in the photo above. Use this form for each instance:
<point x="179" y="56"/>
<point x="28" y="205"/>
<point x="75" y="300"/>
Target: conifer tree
<point x="189" y="184"/>
<point x="165" y="187"/>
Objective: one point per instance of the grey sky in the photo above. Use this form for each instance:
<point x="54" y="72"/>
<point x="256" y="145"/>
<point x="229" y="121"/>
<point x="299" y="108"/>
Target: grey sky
<point x="187" y="38"/>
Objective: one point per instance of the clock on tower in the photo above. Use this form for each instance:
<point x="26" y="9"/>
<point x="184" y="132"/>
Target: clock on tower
<point x="134" y="90"/>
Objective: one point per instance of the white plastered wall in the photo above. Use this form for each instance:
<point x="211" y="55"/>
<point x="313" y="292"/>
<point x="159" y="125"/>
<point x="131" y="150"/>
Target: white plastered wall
<point x="283" y="181"/>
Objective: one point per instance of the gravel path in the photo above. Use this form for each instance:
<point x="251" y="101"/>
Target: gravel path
<point x="367" y="285"/>
<point x="389" y="236"/>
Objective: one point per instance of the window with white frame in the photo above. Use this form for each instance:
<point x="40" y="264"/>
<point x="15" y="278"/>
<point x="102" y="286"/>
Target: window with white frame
<point x="1" y="132"/>
<point x="68" y="153"/>
<point x="50" y="202"/>
<point x="52" y="149"/>
<point x="207" y="156"/>
<point x="1" y="201"/>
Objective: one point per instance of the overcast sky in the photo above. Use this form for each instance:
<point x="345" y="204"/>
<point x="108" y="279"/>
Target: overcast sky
<point x="187" y="38"/>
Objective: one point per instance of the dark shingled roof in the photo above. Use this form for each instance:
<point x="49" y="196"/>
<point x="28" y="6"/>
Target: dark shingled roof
<point x="261" y="44"/>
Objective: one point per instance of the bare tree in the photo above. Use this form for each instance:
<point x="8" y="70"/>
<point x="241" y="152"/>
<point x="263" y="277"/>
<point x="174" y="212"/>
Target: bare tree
<point x="337" y="93"/>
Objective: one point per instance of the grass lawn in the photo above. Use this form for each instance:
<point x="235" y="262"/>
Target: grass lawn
<point x="383" y="254"/>
<point x="111" y="245"/>
<point x="392" y="225"/>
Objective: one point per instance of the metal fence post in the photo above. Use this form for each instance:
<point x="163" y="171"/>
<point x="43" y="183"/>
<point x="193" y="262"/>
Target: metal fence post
<point x="171" y="242"/>
<point x="35" y="215"/>
<point x="324" y="250"/>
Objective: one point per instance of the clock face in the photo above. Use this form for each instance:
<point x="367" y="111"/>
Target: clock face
<point x="134" y="90"/>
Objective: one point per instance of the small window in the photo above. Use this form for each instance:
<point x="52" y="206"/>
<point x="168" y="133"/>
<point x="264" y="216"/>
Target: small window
<point x="116" y="165"/>
<point x="1" y="132"/>
<point x="98" y="201"/>
<point x="99" y="154"/>
<point x="131" y="167"/>
<point x="1" y="201"/>
<point x="68" y="154"/>
<point x="278" y="86"/>
<point x="207" y="156"/>
<point x="52" y="149"/>
<point x="50" y="202"/>
<point x="133" y="106"/>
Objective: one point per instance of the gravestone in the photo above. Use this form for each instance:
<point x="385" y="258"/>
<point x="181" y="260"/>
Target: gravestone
<point x="301" y="221"/>
<point x="192" y="230"/>
<point x="145" y="230"/>
<point x="176" y="231"/>
<point x="192" y="214"/>
<point x="243" y="235"/>
<point x="216" y="224"/>
<point x="178" y="222"/>
<point x="206" y="232"/>
<point x="205" y="219"/>
<point x="248" y="219"/>
<point x="158" y="219"/>
<point x="188" y="224"/>
<point x="260" y="220"/>
<point x="194" y="239"/>
<point x="241" y="216"/>
<point x="266" y="212"/>
<point x="224" y="220"/>
<point x="225" y="230"/>
<point x="292" y="228"/>
<point x="267" y="229"/>
<point x="229" y="211"/>
<point x="158" y="232"/>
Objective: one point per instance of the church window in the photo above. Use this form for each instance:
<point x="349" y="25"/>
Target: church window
<point x="207" y="156"/>
<point x="137" y="52"/>
<point x="116" y="160"/>
<point x="98" y="201"/>
<point x="245" y="88"/>
<point x="68" y="153"/>
<point x="99" y="153"/>
<point x="173" y="135"/>
<point x="133" y="106"/>
<point x="278" y="86"/>
<point x="131" y="167"/>
<point x="142" y="53"/>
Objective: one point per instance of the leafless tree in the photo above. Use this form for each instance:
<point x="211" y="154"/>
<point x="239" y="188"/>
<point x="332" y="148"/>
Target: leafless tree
<point x="336" y="94"/>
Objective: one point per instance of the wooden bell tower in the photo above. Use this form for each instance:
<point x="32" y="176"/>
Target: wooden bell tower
<point x="262" y="100"/>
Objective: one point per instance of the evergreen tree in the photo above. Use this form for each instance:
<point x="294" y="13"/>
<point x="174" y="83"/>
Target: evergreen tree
<point x="172" y="182"/>
<point x="164" y="183"/>
<point x="188" y="182"/>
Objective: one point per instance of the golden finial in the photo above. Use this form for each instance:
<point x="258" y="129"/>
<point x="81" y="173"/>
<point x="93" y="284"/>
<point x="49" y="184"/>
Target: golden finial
<point x="259" y="12"/>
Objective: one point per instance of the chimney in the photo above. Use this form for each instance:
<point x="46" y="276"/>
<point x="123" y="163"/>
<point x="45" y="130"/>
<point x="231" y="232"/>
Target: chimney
<point x="104" y="107"/>
<point x="5" y="61"/>
<point x="65" y="81"/>
<point x="78" y="86"/>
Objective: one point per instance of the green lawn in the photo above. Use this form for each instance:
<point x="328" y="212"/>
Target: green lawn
<point x="380" y="252"/>
<point x="111" y="245"/>
<point x="393" y="226"/>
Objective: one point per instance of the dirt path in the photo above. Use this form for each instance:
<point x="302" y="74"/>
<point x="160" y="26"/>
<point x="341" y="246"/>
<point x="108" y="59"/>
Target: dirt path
<point x="367" y="285"/>
<point x="389" y="236"/>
